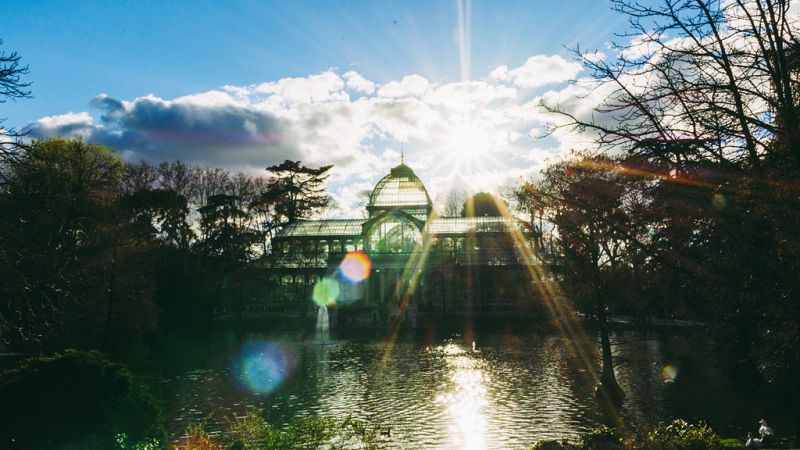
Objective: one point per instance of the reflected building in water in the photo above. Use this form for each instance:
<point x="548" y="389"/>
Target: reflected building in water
<point x="419" y="262"/>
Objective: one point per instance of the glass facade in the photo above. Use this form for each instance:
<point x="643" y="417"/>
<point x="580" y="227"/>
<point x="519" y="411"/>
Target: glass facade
<point x="466" y="225"/>
<point x="322" y="228"/>
<point x="401" y="189"/>
<point x="393" y="235"/>
<point x="471" y="265"/>
<point x="400" y="218"/>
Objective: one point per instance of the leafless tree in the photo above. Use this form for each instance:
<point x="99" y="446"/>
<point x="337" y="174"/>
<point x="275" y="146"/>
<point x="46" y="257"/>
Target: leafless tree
<point x="208" y="182"/>
<point x="176" y="176"/>
<point x="454" y="202"/>
<point x="698" y="80"/>
<point x="12" y="87"/>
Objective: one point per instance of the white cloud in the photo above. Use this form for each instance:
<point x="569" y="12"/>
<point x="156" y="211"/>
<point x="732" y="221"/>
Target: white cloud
<point x="69" y="124"/>
<point x="410" y="85"/>
<point x="500" y="73"/>
<point x="468" y="95"/>
<point x="358" y="83"/>
<point x="314" y="88"/>
<point x="348" y="121"/>
<point x="540" y="70"/>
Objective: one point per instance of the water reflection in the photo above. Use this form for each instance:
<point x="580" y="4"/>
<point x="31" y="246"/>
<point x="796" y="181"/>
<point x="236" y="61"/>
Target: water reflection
<point x="516" y="389"/>
<point x="464" y="398"/>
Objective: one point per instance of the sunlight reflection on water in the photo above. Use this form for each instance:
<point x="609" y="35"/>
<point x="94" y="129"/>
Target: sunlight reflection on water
<point x="507" y="393"/>
<point x="465" y="398"/>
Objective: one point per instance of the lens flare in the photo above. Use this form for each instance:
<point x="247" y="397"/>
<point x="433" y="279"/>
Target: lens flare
<point x="669" y="373"/>
<point x="262" y="366"/>
<point x="355" y="267"/>
<point x="326" y="292"/>
<point x="718" y="201"/>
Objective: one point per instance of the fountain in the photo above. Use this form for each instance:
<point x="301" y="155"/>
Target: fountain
<point x="322" y="324"/>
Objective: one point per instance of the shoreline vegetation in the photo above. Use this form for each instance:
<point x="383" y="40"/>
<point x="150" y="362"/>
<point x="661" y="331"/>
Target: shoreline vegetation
<point x="252" y="432"/>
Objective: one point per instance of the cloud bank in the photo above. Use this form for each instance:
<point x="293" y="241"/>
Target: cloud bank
<point x="345" y="119"/>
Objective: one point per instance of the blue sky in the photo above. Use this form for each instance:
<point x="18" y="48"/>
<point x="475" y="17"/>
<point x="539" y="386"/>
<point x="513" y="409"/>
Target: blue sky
<point x="178" y="76"/>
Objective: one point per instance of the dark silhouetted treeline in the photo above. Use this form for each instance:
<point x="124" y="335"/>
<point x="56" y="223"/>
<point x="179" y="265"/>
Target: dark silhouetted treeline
<point x="99" y="253"/>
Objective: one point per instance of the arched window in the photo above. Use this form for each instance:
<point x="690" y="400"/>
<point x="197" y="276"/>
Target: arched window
<point x="336" y="247"/>
<point x="323" y="248"/>
<point x="286" y="280"/>
<point x="393" y="235"/>
<point x="349" y="247"/>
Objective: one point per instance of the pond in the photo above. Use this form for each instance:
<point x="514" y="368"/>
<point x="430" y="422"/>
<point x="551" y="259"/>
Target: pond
<point x="499" y="388"/>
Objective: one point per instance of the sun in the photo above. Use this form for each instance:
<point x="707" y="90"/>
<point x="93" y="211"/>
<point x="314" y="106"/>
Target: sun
<point x="466" y="145"/>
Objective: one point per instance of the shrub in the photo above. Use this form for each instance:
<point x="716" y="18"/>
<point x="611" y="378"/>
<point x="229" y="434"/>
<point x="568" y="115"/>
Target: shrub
<point x="124" y="442"/>
<point x="600" y="438"/>
<point x="553" y="445"/>
<point x="196" y="438"/>
<point x="76" y="397"/>
<point x="682" y="435"/>
<point x="252" y="432"/>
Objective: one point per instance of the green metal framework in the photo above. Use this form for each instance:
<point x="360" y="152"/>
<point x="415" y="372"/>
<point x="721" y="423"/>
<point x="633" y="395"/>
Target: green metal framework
<point x="323" y="228"/>
<point x="400" y="219"/>
<point x="400" y="189"/>
<point x="393" y="234"/>
<point x="467" y="225"/>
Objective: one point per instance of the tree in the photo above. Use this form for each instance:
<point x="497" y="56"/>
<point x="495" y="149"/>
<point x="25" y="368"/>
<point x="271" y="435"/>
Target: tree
<point x="296" y="191"/>
<point x="454" y="202"/>
<point x="586" y="203"/>
<point x="64" y="248"/>
<point x="701" y="80"/>
<point x="531" y="202"/>
<point x="11" y="87"/>
<point x="706" y="95"/>
<point x="224" y="226"/>
<point x="483" y="204"/>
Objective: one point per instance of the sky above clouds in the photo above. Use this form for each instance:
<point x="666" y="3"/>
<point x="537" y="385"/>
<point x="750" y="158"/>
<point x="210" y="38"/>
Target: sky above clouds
<point x="454" y="85"/>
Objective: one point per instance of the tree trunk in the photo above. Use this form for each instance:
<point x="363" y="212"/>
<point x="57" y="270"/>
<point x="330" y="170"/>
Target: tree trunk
<point x="608" y="391"/>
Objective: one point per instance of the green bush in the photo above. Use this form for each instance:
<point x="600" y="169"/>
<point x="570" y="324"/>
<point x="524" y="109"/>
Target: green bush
<point x="677" y="435"/>
<point x="252" y="432"/>
<point x="553" y="445"/>
<point x="682" y="435"/>
<point x="600" y="438"/>
<point x="77" y="399"/>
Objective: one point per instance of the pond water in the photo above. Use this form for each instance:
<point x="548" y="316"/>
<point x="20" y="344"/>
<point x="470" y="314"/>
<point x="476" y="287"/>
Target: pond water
<point x="439" y="390"/>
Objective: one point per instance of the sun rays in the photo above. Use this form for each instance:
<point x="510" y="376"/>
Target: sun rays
<point x="561" y="312"/>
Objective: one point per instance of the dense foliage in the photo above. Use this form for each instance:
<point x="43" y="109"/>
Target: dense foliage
<point x="252" y="432"/>
<point x="676" y="435"/>
<point x="76" y="398"/>
<point x="98" y="253"/>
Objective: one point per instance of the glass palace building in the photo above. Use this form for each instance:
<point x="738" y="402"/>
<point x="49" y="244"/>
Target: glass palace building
<point x="404" y="260"/>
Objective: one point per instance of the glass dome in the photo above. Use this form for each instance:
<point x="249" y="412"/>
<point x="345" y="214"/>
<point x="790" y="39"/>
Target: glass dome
<point x="401" y="189"/>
